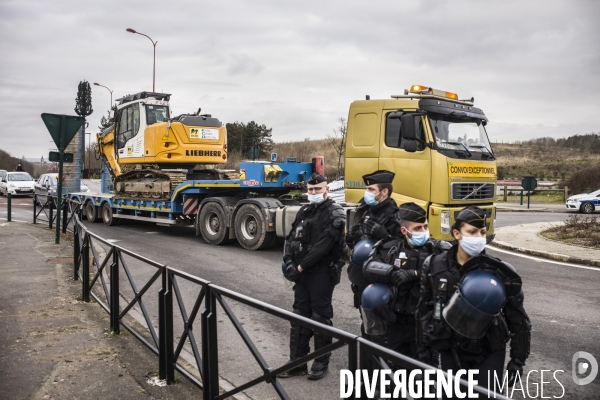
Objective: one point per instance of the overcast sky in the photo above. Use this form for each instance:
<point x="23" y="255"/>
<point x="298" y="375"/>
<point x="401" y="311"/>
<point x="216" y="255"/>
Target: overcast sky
<point x="295" y="66"/>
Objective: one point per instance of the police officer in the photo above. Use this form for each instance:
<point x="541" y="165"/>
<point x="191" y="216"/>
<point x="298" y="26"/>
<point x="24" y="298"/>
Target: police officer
<point x="378" y="219"/>
<point x="451" y="284"/>
<point x="314" y="250"/>
<point x="397" y="262"/>
<point x="19" y="167"/>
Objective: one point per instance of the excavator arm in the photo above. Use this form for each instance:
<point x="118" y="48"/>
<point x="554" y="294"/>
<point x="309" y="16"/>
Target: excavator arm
<point x="105" y="147"/>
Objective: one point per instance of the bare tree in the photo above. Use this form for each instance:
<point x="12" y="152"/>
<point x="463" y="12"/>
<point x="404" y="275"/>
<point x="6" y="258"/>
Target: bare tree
<point x="338" y="141"/>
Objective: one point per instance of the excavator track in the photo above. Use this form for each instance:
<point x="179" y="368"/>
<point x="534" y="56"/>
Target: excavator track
<point x="148" y="182"/>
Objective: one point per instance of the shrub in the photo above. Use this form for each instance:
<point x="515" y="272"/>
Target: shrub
<point x="585" y="180"/>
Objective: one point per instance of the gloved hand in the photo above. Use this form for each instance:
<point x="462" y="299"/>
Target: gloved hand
<point x="292" y="273"/>
<point x="401" y="276"/>
<point x="375" y="230"/>
<point x="514" y="367"/>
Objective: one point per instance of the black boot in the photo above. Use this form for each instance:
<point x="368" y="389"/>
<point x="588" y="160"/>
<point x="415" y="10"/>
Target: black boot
<point x="299" y="347"/>
<point x="320" y="366"/>
<point x="300" y="370"/>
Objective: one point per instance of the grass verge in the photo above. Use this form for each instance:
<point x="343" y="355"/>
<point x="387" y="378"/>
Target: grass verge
<point x="577" y="230"/>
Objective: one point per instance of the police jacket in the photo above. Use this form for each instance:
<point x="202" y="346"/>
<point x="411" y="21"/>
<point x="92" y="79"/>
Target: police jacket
<point x="511" y="324"/>
<point x="385" y="214"/>
<point x="316" y="239"/>
<point x="397" y="253"/>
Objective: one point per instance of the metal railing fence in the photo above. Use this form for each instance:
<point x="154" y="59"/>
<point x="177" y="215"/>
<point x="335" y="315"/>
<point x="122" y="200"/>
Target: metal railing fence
<point x="169" y="350"/>
<point x="47" y="208"/>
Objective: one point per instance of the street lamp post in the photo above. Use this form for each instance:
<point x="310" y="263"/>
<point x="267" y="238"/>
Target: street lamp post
<point x="153" y="44"/>
<point x="89" y="155"/>
<point x="111" y="103"/>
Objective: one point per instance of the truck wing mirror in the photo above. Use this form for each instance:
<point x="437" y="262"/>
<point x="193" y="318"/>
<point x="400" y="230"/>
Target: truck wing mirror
<point x="409" y="127"/>
<point x="410" y="146"/>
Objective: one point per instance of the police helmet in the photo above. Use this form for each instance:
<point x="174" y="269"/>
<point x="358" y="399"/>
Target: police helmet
<point x="477" y="301"/>
<point x="377" y="308"/>
<point x="361" y="251"/>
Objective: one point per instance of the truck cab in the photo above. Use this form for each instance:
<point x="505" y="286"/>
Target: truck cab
<point x="435" y="143"/>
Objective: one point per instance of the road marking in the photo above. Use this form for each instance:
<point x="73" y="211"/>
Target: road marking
<point x="544" y="260"/>
<point x="151" y="233"/>
<point x="112" y="240"/>
<point x="16" y="220"/>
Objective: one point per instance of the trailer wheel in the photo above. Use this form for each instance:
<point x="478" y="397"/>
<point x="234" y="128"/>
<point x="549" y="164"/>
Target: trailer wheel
<point x="107" y="216"/>
<point x="213" y="224"/>
<point x="91" y="213"/>
<point x="251" y="228"/>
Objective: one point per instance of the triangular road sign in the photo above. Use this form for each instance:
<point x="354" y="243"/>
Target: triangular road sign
<point x="72" y="125"/>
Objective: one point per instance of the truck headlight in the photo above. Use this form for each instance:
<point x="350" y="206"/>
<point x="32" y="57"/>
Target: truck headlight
<point x="445" y="223"/>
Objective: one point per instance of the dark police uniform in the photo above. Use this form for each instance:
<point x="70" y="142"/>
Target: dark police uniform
<point x="315" y="242"/>
<point x="398" y="255"/>
<point x="376" y="222"/>
<point x="440" y="275"/>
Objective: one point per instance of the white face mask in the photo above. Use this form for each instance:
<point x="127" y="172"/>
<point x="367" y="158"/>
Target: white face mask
<point x="473" y="245"/>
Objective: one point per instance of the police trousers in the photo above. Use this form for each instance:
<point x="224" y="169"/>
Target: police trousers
<point x="401" y="336"/>
<point x="313" y="294"/>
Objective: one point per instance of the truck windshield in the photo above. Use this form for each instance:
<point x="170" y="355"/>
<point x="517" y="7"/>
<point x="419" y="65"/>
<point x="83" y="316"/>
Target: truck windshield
<point x="460" y="138"/>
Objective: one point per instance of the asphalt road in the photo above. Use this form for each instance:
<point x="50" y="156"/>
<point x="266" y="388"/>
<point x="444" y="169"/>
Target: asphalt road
<point x="562" y="300"/>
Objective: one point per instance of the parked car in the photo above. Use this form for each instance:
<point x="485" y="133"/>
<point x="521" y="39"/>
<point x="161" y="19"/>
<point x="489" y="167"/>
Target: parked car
<point x="2" y="173"/>
<point x="45" y="188"/>
<point x="586" y="203"/>
<point x="17" y="183"/>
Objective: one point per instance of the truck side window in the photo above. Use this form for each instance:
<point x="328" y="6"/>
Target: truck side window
<point x="129" y="124"/>
<point x="393" y="137"/>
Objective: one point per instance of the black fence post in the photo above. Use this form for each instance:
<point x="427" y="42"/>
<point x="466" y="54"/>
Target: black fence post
<point x="8" y="206"/>
<point x="64" y="216"/>
<point x="169" y="330"/>
<point x="115" y="326"/>
<point x="85" y="273"/>
<point x="34" y="208"/>
<point x="162" y="347"/>
<point x="76" y="251"/>
<point x="166" y="369"/>
<point x="51" y="217"/>
<point x="210" y="361"/>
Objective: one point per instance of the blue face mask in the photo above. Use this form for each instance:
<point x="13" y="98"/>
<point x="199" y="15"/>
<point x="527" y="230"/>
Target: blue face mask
<point x="370" y="198"/>
<point x="419" y="239"/>
<point x="316" y="198"/>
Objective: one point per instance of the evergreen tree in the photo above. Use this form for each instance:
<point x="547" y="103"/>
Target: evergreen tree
<point x="107" y="121"/>
<point x="240" y="137"/>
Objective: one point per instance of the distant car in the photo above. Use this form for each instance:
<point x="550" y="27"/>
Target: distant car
<point x="45" y="188"/>
<point x="586" y="203"/>
<point x="17" y="183"/>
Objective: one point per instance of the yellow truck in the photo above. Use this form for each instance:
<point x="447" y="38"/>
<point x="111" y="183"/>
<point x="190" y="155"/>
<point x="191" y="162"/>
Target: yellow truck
<point x="435" y="143"/>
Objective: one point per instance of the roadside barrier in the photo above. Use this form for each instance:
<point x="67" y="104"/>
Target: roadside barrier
<point x="169" y="350"/>
<point x="48" y="207"/>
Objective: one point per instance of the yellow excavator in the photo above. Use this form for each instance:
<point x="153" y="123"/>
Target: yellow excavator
<point x="148" y="153"/>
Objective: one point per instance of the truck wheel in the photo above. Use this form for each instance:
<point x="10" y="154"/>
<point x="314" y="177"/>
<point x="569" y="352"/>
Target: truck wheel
<point x="587" y="208"/>
<point x="90" y="212"/>
<point x="251" y="228"/>
<point x="213" y="224"/>
<point x="107" y="216"/>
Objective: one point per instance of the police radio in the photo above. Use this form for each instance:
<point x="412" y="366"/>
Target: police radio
<point x="441" y="293"/>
